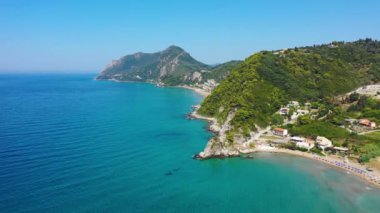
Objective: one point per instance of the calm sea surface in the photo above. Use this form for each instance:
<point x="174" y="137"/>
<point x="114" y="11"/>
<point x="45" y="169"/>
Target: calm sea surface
<point x="69" y="143"/>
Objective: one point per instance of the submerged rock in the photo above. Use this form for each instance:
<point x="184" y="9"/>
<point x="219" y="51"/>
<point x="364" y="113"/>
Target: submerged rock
<point x="249" y="157"/>
<point x="169" y="173"/>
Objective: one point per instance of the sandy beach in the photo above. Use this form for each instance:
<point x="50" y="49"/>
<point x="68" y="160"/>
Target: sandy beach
<point x="197" y="90"/>
<point x="352" y="168"/>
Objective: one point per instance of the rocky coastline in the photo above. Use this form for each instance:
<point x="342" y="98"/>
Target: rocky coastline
<point x="217" y="146"/>
<point x="219" y="149"/>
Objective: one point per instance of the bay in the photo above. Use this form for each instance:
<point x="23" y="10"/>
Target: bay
<point x="72" y="144"/>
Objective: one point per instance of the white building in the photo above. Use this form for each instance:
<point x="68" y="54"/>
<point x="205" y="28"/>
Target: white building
<point x="297" y="139"/>
<point x="302" y="111"/>
<point x="341" y="149"/>
<point x="284" y="111"/>
<point x="293" y="104"/>
<point x="323" y="142"/>
<point x="306" y="145"/>
<point x="280" y="132"/>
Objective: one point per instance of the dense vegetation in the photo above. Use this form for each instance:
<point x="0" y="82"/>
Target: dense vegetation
<point x="320" y="128"/>
<point x="365" y="108"/>
<point x="254" y="99"/>
<point x="219" y="72"/>
<point x="366" y="146"/>
<point x="258" y="87"/>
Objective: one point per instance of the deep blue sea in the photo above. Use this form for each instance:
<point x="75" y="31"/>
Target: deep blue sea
<point x="69" y="143"/>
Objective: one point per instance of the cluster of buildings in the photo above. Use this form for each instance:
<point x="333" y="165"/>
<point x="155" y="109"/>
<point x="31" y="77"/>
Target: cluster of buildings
<point x="320" y="142"/>
<point x="286" y="109"/>
<point x="298" y="141"/>
<point x="306" y="143"/>
<point x="297" y="112"/>
<point x="207" y="86"/>
<point x="301" y="142"/>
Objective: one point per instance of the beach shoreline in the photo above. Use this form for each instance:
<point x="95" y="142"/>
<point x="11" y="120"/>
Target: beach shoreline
<point x="352" y="168"/>
<point x="196" y="89"/>
<point x="373" y="177"/>
<point x="200" y="91"/>
<point x="336" y="162"/>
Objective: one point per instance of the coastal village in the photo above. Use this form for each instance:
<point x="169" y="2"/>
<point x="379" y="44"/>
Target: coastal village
<point x="277" y="138"/>
<point x="278" y="135"/>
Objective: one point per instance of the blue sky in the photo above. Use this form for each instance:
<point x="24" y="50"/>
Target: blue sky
<point x="68" y="35"/>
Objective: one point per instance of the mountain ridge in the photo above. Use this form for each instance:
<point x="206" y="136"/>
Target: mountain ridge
<point x="172" y="66"/>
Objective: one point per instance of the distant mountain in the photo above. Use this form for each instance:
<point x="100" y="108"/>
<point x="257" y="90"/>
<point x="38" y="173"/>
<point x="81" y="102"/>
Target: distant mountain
<point x="172" y="66"/>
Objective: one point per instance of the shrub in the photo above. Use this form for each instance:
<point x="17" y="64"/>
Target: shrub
<point x="316" y="150"/>
<point x="301" y="149"/>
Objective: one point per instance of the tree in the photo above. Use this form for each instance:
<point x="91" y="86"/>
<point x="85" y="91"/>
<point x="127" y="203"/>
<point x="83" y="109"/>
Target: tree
<point x="277" y="119"/>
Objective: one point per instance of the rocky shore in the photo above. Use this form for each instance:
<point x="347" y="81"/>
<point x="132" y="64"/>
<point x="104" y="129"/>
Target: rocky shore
<point x="218" y="147"/>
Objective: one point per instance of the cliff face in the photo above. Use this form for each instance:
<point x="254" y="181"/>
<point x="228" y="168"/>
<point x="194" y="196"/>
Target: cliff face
<point x="219" y="146"/>
<point x="172" y="66"/>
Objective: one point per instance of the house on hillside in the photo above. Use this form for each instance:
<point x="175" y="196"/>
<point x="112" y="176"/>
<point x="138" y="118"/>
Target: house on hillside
<point x="293" y="104"/>
<point x="284" y="111"/>
<point x="302" y="111"/>
<point x="280" y="132"/>
<point x="323" y="142"/>
<point x="367" y="123"/>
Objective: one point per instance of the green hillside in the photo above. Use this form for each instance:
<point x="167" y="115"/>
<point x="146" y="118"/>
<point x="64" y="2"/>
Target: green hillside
<point x="219" y="72"/>
<point x="258" y="87"/>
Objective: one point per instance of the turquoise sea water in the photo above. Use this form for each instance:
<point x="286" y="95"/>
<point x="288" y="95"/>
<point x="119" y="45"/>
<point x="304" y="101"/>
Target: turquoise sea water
<point x="72" y="144"/>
